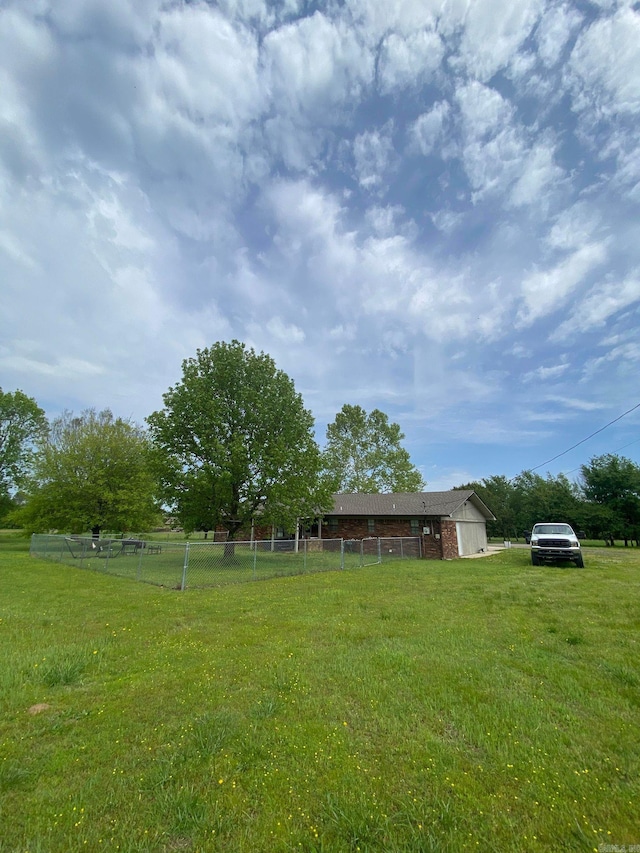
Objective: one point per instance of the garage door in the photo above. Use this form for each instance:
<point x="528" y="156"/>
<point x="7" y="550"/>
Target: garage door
<point x="472" y="537"/>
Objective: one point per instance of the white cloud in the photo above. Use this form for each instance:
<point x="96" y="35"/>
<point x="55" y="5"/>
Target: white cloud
<point x="408" y="61"/>
<point x="574" y="226"/>
<point x="483" y="110"/>
<point x="427" y="130"/>
<point x="71" y="369"/>
<point x="544" y="374"/>
<point x="375" y="20"/>
<point x="493" y="33"/>
<point x="604" y="69"/>
<point x="119" y="22"/>
<point x="556" y="28"/>
<point x="493" y="166"/>
<point x="600" y="304"/>
<point x="314" y="66"/>
<point x="205" y="68"/>
<point x="373" y="153"/>
<point x="389" y="220"/>
<point x="621" y="362"/>
<point x="286" y="332"/>
<point x="539" y="174"/>
<point x="546" y="292"/>
<point x="173" y="173"/>
<point x="497" y="155"/>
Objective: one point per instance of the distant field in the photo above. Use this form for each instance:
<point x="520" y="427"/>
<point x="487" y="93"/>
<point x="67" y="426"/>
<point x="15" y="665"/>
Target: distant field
<point x="418" y="706"/>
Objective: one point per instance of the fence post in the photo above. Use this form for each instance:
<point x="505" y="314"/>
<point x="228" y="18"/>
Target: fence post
<point x="379" y="550"/>
<point x="342" y="553"/>
<point x="401" y="548"/>
<point x="255" y="558"/>
<point x="140" y="564"/>
<point x="184" y="568"/>
<point x="305" y="542"/>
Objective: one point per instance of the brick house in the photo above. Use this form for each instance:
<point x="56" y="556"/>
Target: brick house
<point x="451" y="524"/>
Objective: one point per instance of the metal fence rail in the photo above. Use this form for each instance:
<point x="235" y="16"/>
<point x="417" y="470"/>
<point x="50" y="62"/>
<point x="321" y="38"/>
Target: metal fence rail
<point x="183" y="565"/>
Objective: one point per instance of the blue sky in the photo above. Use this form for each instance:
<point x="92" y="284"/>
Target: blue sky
<point x="431" y="207"/>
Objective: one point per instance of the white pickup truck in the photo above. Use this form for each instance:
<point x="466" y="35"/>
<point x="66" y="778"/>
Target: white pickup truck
<point x="553" y="542"/>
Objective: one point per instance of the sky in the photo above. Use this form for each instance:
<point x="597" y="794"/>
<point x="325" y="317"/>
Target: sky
<point x="429" y="207"/>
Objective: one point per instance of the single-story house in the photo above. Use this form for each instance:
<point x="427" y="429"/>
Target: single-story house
<point x="451" y="524"/>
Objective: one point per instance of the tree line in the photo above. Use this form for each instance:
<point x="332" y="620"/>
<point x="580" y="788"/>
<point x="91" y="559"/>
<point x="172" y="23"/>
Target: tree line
<point x="603" y="504"/>
<point x="234" y="443"/>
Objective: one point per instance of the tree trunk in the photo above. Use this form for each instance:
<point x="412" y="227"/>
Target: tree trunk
<point x="229" y="552"/>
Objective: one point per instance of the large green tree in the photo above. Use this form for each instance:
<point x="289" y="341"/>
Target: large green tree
<point x="22" y="422"/>
<point x="235" y="443"/>
<point x="518" y="503"/>
<point x="92" y="472"/>
<point x="612" y="483"/>
<point x="549" y="498"/>
<point x="497" y="492"/>
<point x="363" y="453"/>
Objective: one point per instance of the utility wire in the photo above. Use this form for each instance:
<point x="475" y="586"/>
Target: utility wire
<point x="635" y="441"/>
<point x="578" y="443"/>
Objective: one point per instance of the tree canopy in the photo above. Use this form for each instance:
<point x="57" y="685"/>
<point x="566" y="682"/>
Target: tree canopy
<point x="235" y="443"/>
<point x="612" y="484"/>
<point x="22" y="422"/>
<point x="363" y="453"/>
<point x="605" y="504"/>
<point x="91" y="472"/>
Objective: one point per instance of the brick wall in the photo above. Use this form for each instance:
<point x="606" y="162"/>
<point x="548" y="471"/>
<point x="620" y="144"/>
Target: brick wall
<point x="449" y="539"/>
<point x="432" y="548"/>
<point x="358" y="528"/>
<point x="444" y="548"/>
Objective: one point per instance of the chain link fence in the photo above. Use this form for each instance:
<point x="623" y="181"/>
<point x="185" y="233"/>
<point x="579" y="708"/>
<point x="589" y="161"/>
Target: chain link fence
<point x="183" y="565"/>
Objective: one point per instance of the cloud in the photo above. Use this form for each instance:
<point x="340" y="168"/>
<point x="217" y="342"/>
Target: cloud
<point x="494" y="31"/>
<point x="600" y="304"/>
<point x="484" y="111"/>
<point x="604" y="68"/>
<point x="498" y="156"/>
<point x="545" y="292"/>
<point x="373" y="153"/>
<point x="288" y="333"/>
<point x="427" y="130"/>
<point x="538" y="176"/>
<point x="544" y="374"/>
<point x="314" y="66"/>
<point x="574" y="227"/>
<point x="408" y="61"/>
<point x="554" y="31"/>
<point x="407" y="204"/>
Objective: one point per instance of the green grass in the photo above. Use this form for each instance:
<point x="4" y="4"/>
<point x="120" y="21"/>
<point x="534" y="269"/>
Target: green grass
<point x="420" y="706"/>
<point x="203" y="564"/>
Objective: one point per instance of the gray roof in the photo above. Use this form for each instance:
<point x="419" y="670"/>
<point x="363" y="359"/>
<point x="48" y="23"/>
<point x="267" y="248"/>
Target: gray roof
<point x="407" y="504"/>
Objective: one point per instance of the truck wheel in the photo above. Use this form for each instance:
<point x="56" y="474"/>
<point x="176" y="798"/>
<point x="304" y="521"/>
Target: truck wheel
<point x="580" y="561"/>
<point x="534" y="559"/>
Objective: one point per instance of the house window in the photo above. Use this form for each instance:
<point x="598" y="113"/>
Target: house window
<point x="371" y="525"/>
<point x="415" y="526"/>
<point x="333" y="525"/>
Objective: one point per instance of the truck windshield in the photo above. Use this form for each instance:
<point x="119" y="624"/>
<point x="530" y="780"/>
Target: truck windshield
<point x="552" y="528"/>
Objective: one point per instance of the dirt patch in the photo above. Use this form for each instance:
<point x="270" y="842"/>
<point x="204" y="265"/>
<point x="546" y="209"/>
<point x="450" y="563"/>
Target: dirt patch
<point x="39" y="708"/>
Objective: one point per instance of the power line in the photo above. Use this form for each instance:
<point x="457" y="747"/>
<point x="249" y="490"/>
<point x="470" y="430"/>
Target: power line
<point x="582" y="441"/>
<point x="635" y="441"/>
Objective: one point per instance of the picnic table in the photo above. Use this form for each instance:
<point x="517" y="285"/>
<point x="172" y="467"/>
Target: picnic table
<point x="86" y="546"/>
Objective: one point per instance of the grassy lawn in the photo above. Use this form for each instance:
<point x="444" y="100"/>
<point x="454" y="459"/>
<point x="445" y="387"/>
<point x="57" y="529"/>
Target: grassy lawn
<point x="418" y="706"/>
<point x="202" y="564"/>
